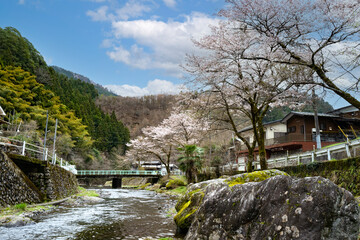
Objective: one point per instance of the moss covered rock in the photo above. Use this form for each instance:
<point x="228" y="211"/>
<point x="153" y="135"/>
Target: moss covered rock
<point x="257" y="176"/>
<point x="280" y="207"/>
<point x="144" y="186"/>
<point x="174" y="183"/>
<point x="188" y="205"/>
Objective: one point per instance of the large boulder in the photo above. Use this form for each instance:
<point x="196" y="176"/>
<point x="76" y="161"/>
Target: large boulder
<point x="279" y="207"/>
<point x="188" y="205"/>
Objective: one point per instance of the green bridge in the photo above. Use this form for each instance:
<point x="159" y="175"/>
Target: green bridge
<point x="117" y="175"/>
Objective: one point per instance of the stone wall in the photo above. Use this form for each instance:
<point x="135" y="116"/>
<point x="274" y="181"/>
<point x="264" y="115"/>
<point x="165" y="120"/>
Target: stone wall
<point x="30" y="180"/>
<point x="344" y="173"/>
<point x="59" y="182"/>
<point x="15" y="186"/>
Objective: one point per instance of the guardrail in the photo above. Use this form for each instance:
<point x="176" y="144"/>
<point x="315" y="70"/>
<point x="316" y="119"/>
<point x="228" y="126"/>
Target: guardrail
<point x="27" y="149"/>
<point x="117" y="172"/>
<point x="324" y="154"/>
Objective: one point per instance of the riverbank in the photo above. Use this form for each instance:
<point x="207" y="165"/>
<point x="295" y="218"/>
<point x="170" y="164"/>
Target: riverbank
<point x="123" y="214"/>
<point x="24" y="214"/>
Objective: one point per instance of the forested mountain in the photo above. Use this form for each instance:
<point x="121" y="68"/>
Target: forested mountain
<point x="138" y="112"/>
<point x="280" y="112"/>
<point x="21" y="94"/>
<point x="18" y="51"/>
<point x="100" y="89"/>
<point x="29" y="88"/>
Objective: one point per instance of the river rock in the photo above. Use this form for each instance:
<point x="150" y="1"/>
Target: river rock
<point x="92" y="200"/>
<point x="15" y="221"/>
<point x="280" y="207"/>
<point x="188" y="205"/>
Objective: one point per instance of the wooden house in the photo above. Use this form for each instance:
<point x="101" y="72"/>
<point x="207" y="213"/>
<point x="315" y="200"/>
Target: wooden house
<point x="296" y="132"/>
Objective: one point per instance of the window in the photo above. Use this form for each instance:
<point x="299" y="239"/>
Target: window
<point x="292" y="129"/>
<point x="322" y="126"/>
<point x="302" y="129"/>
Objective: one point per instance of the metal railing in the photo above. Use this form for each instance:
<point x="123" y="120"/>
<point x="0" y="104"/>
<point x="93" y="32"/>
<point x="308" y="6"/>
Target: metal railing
<point x="30" y="150"/>
<point x="117" y="172"/>
<point x="333" y="152"/>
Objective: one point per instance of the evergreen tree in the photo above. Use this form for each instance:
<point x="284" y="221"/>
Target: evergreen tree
<point x="70" y="100"/>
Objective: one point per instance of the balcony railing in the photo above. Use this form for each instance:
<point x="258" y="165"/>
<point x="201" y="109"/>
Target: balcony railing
<point x="325" y="137"/>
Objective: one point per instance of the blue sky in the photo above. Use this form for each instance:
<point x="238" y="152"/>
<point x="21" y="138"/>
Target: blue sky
<point x="133" y="47"/>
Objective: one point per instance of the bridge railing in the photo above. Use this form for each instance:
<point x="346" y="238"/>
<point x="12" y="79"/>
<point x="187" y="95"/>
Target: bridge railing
<point x="27" y="149"/>
<point x="117" y="172"/>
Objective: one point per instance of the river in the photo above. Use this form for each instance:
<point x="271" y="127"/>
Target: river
<point x="125" y="214"/>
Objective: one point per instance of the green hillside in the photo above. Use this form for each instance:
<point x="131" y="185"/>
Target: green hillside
<point x="29" y="88"/>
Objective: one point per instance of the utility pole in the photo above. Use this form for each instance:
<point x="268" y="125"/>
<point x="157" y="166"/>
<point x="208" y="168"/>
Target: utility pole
<point x="47" y="120"/>
<point x="56" y="123"/>
<point x="318" y="139"/>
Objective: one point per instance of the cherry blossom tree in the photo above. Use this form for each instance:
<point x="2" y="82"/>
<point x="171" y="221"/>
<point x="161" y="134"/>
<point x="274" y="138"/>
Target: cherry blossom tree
<point x="155" y="144"/>
<point x="163" y="141"/>
<point x="231" y="87"/>
<point x="186" y="127"/>
<point x="321" y="35"/>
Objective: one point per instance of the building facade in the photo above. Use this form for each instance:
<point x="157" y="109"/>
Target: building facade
<point x="296" y="132"/>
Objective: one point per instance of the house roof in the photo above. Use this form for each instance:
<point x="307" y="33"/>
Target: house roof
<point x="346" y="109"/>
<point x="265" y="124"/>
<point x="291" y="114"/>
<point x="2" y="113"/>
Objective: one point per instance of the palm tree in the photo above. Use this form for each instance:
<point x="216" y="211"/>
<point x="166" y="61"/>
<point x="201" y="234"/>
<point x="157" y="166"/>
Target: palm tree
<point x="191" y="161"/>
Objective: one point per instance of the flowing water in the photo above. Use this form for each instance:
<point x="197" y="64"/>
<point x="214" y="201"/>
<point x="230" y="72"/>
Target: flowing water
<point x="125" y="214"/>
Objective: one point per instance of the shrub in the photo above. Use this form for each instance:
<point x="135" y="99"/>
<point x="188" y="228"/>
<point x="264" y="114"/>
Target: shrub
<point x="21" y="206"/>
<point x="175" y="183"/>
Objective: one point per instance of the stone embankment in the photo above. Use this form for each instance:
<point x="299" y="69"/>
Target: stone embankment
<point x="26" y="180"/>
<point x="15" y="186"/>
<point x="268" y="205"/>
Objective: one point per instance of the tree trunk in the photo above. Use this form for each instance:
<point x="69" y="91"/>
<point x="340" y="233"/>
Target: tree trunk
<point x="168" y="170"/>
<point x="189" y="172"/>
<point x="250" y="161"/>
<point x="259" y="133"/>
<point x="262" y="151"/>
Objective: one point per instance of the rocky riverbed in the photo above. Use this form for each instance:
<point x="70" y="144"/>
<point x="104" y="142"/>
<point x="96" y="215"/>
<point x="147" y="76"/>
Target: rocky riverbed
<point x="119" y="214"/>
<point x="16" y="217"/>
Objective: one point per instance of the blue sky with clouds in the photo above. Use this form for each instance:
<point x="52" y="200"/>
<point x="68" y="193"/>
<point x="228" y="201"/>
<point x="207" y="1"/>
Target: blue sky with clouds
<point x="133" y="47"/>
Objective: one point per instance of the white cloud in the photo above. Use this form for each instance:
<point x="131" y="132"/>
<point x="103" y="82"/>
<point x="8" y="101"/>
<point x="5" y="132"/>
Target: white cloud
<point x="170" y="3"/>
<point x="107" y="43"/>
<point x="156" y="86"/>
<point x="150" y="43"/>
<point x="21" y="2"/>
<point x="100" y="14"/>
<point x="132" y="9"/>
<point x="159" y="44"/>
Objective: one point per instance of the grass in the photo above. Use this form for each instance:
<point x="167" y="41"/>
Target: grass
<point x="179" y="177"/>
<point x="335" y="144"/>
<point x="332" y="145"/>
<point x="89" y="193"/>
<point x="179" y="190"/>
<point x="21" y="208"/>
